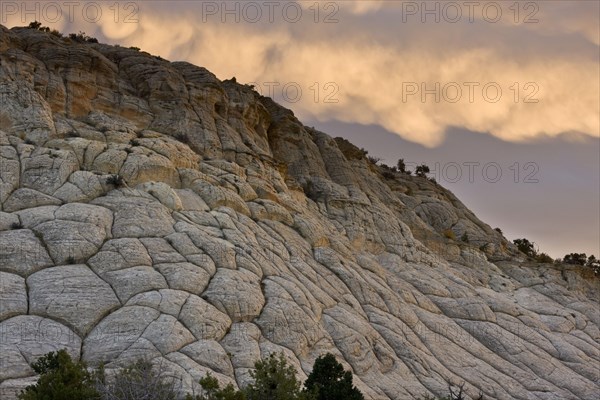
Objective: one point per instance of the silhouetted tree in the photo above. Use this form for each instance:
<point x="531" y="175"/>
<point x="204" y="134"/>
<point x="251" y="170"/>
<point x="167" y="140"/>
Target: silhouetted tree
<point x="212" y="391"/>
<point x="422" y="170"/>
<point x="526" y="247"/>
<point x="35" y="25"/>
<point x="593" y="263"/>
<point x="575" y="259"/>
<point x="401" y="165"/>
<point x="373" y="160"/>
<point x="81" y="37"/>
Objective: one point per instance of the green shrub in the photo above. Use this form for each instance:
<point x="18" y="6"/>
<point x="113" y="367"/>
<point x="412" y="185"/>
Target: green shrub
<point x="373" y="160"/>
<point x="593" y="263"/>
<point x="212" y="391"/>
<point x="81" y="37"/>
<point x="422" y="170"/>
<point x="544" y="258"/>
<point x="329" y="381"/>
<point x="575" y="259"/>
<point x="401" y="165"/>
<point x="526" y="247"/>
<point x="141" y="380"/>
<point x="386" y="167"/>
<point x="388" y="174"/>
<point x="115" y="180"/>
<point x="275" y="379"/>
<point x="63" y="379"/>
<point x="38" y="26"/>
<point x="60" y="378"/>
<point x="35" y="25"/>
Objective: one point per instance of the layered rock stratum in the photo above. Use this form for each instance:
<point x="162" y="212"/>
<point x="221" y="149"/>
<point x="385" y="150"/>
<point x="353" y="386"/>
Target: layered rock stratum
<point x="150" y="209"/>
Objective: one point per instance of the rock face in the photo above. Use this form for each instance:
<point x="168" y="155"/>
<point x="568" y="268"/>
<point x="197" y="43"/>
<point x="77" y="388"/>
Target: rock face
<point x="233" y="231"/>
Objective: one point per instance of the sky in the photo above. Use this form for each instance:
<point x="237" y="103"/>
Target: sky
<point x="501" y="99"/>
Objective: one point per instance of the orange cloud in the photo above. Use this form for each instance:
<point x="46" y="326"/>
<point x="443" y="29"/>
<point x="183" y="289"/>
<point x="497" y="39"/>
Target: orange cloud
<point x="417" y="84"/>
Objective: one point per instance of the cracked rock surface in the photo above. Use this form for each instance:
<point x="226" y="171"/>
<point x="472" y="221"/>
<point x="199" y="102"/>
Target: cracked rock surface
<point x="236" y="232"/>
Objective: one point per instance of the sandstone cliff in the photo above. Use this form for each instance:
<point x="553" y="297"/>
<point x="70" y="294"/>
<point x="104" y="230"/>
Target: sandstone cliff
<point x="236" y="231"/>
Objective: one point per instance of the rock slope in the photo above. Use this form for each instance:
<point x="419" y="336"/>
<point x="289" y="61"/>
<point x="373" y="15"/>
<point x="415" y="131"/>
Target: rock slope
<point x="149" y="209"/>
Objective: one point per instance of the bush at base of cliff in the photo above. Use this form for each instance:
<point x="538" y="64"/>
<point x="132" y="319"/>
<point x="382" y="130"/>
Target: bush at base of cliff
<point x="60" y="378"/>
<point x="275" y="379"/>
<point x="212" y="391"/>
<point x="140" y="380"/>
<point x="330" y="382"/>
<point x="63" y="379"/>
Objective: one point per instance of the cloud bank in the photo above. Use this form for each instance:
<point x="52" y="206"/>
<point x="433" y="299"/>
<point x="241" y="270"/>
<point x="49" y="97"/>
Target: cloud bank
<point x="414" y="69"/>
